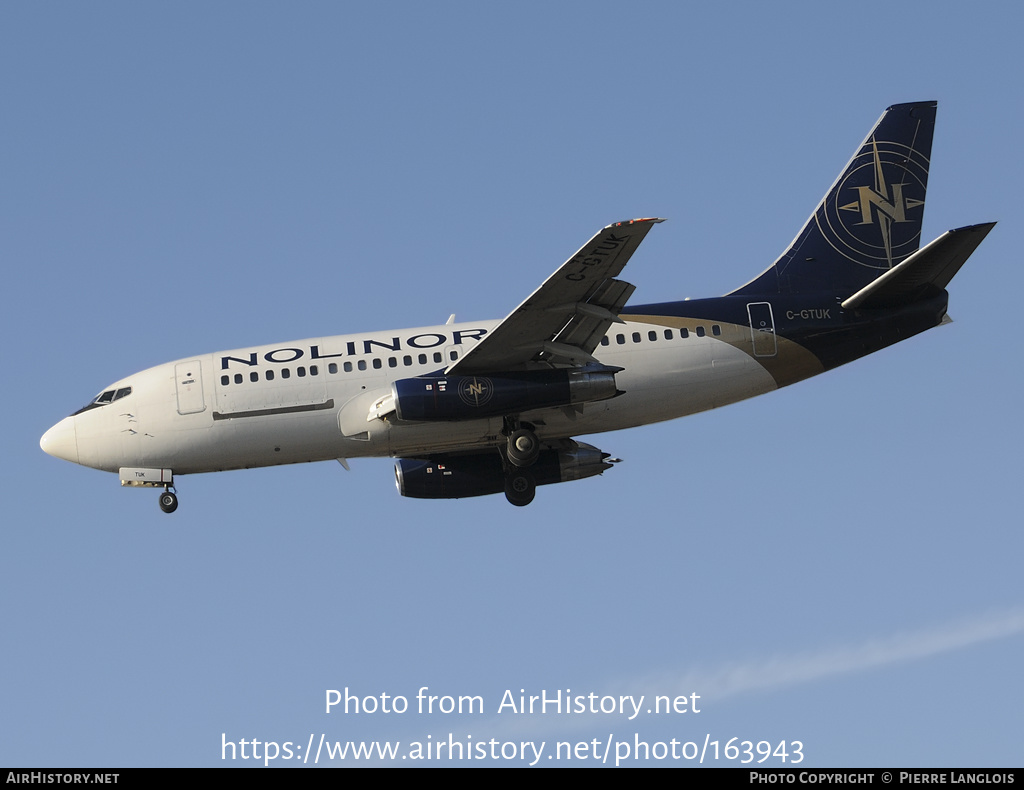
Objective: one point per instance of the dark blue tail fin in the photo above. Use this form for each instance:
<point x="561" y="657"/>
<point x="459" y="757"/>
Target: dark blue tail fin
<point x="870" y="220"/>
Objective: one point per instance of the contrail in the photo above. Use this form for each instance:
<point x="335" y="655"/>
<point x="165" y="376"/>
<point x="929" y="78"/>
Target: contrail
<point x="781" y="671"/>
<point x="790" y="670"/>
<point x="768" y="674"/>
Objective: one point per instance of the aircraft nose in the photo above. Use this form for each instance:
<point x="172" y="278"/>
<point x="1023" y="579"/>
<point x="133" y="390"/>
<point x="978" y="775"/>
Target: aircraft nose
<point x="61" y="440"/>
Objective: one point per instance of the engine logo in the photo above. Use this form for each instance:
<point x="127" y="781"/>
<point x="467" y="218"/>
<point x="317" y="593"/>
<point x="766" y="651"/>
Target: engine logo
<point x="475" y="391"/>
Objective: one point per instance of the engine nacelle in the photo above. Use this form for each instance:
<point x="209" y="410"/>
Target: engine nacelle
<point x="440" y="397"/>
<point x="454" y="476"/>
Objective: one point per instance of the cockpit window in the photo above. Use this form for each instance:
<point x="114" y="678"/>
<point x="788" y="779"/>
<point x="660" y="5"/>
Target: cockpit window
<point x="109" y="396"/>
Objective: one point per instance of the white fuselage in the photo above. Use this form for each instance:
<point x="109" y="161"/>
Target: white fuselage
<point x="313" y="400"/>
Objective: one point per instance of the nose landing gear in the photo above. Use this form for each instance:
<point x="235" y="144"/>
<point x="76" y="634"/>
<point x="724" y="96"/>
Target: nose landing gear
<point x="168" y="500"/>
<point x="152" y="478"/>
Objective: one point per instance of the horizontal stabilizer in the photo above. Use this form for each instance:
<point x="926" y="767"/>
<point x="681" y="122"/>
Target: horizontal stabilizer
<point x="924" y="273"/>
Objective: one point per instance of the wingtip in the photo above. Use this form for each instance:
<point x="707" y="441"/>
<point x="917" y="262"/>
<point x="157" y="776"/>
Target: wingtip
<point x="652" y="220"/>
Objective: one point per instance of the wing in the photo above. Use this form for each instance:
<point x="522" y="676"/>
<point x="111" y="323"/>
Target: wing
<point x="561" y="323"/>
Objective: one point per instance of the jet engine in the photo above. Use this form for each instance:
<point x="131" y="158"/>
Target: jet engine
<point x="440" y="397"/>
<point x="457" y="475"/>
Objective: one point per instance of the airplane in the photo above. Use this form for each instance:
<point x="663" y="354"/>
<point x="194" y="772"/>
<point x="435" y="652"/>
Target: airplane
<point x="487" y="407"/>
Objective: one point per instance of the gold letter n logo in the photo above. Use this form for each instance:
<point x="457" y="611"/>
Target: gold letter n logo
<point x="867" y="197"/>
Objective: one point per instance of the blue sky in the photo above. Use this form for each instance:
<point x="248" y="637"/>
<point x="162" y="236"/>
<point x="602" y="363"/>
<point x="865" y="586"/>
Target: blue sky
<point x="836" y="563"/>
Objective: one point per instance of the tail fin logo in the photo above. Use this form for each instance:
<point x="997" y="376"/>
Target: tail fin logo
<point x="882" y="223"/>
<point x="895" y="211"/>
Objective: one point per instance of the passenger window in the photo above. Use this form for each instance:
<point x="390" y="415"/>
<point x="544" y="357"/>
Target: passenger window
<point x="238" y="378"/>
<point x="652" y="335"/>
<point x="437" y="356"/>
<point x="285" y="373"/>
<point x="377" y="364"/>
<point x="620" y="339"/>
<point x="362" y="364"/>
<point x="392" y="362"/>
<point x="716" y="329"/>
<point x="270" y="375"/>
<point x="347" y="367"/>
<point x="224" y="381"/>
<point x="668" y="334"/>
<point x="453" y="355"/>
<point x="254" y="376"/>
<point x="684" y="332"/>
<point x="332" y="367"/>
<point x="314" y="370"/>
<point x="422" y="359"/>
<point x="605" y="341"/>
<point x="700" y="331"/>
<point x="301" y="372"/>
<point x="636" y="337"/>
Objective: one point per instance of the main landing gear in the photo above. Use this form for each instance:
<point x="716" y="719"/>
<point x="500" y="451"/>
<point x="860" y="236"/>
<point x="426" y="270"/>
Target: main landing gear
<point x="521" y="451"/>
<point x="168" y="500"/>
<point x="523" y="448"/>
<point x="520" y="487"/>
